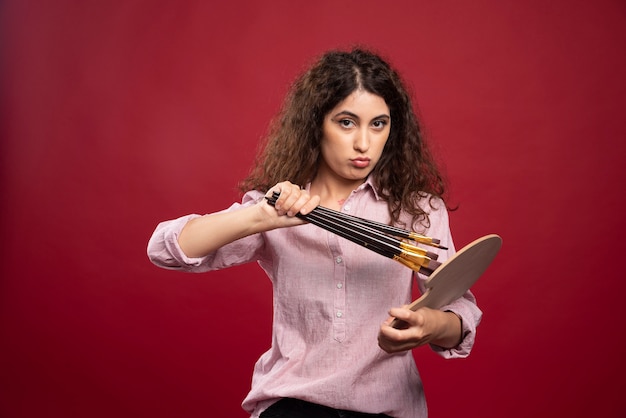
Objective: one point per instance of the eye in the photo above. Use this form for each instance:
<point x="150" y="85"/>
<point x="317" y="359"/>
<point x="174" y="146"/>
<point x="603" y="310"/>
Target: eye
<point x="379" y="124"/>
<point x="346" y="123"/>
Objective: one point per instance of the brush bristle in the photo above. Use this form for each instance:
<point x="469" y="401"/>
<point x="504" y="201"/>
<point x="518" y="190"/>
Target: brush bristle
<point x="428" y="270"/>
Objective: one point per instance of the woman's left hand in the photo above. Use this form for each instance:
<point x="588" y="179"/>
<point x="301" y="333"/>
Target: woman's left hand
<point x="425" y="326"/>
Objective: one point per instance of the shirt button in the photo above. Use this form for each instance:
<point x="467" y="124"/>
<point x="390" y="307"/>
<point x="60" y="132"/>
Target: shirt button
<point x="339" y="314"/>
<point x="346" y="208"/>
<point x="339" y="285"/>
<point x="338" y="260"/>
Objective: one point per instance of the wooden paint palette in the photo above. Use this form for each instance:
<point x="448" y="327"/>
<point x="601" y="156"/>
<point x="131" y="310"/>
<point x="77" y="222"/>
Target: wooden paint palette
<point x="457" y="275"/>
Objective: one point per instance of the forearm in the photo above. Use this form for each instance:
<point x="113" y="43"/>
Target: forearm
<point x="205" y="234"/>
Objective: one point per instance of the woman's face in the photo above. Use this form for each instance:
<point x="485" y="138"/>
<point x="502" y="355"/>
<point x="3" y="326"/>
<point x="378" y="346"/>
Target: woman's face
<point x="354" y="135"/>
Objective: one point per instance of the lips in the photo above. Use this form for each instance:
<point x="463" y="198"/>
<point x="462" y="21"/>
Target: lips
<point x="361" y="162"/>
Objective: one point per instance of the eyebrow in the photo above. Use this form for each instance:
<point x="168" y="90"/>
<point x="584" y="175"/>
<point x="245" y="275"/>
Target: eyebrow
<point x="355" y="116"/>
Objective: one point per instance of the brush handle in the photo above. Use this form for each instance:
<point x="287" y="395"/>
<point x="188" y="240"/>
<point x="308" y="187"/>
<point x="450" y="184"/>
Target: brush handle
<point x="385" y="246"/>
<point x="382" y="227"/>
<point x="389" y="229"/>
<point x="370" y="238"/>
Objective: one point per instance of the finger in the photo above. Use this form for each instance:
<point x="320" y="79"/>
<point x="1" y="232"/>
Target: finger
<point x="311" y="204"/>
<point x="301" y="200"/>
<point x="393" y="340"/>
<point x="279" y="189"/>
<point x="388" y="321"/>
<point x="288" y="194"/>
<point x="391" y="334"/>
<point x="384" y="343"/>
<point x="395" y="347"/>
<point x="402" y="314"/>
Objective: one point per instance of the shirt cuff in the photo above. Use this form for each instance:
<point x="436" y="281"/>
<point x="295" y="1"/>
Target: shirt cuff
<point x="470" y="316"/>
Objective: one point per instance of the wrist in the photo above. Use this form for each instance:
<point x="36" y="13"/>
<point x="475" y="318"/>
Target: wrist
<point x="460" y="334"/>
<point x="451" y="330"/>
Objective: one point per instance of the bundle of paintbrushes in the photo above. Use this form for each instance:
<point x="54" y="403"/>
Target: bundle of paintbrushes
<point x="386" y="240"/>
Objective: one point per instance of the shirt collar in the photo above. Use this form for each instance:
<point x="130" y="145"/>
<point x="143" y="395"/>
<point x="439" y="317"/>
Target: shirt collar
<point x="367" y="184"/>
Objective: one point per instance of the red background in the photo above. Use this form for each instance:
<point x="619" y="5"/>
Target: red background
<point x="117" y="115"/>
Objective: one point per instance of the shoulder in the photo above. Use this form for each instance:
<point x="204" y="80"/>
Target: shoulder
<point x="252" y="196"/>
<point x="434" y="213"/>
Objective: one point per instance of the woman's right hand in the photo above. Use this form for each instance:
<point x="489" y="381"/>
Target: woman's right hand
<point x="291" y="201"/>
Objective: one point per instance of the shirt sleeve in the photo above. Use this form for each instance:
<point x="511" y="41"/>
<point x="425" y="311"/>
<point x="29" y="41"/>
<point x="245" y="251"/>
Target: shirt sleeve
<point x="163" y="249"/>
<point x="464" y="307"/>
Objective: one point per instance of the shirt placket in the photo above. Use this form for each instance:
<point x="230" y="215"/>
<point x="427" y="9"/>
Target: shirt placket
<point x="339" y="282"/>
<point x="339" y="276"/>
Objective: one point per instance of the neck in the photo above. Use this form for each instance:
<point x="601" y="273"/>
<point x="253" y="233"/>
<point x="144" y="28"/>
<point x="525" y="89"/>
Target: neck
<point x="333" y="194"/>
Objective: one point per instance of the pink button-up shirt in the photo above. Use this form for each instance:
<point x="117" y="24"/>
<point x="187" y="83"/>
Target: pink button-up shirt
<point x="330" y="298"/>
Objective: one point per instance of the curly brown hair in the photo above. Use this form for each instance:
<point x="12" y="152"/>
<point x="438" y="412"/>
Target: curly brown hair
<point x="406" y="171"/>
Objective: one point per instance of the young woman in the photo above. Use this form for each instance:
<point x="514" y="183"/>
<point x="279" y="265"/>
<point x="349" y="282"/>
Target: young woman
<point x="346" y="138"/>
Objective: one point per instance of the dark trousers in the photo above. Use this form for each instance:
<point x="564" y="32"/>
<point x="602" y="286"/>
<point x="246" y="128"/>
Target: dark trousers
<point x="295" y="408"/>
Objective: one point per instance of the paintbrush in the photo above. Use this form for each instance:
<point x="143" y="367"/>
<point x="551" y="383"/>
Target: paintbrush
<point x="392" y="230"/>
<point x="389" y="229"/>
<point x="369" y="235"/>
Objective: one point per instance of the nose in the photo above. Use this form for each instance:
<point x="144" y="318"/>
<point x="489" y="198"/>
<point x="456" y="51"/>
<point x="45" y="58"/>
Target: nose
<point x="362" y="140"/>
